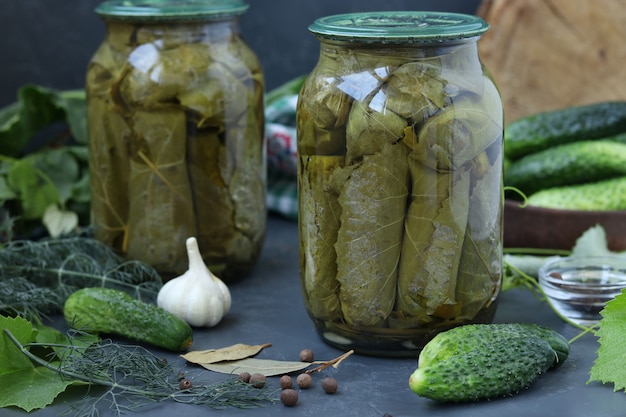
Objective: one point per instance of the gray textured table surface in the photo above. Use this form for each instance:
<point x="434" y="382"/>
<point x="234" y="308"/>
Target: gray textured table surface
<point x="268" y="308"/>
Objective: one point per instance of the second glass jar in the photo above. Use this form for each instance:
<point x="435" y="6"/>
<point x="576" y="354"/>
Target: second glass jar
<point x="400" y="180"/>
<point x="176" y="126"/>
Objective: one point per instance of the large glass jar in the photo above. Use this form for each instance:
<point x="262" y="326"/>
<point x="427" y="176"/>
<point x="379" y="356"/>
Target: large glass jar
<point x="175" y="112"/>
<point x="400" y="180"/>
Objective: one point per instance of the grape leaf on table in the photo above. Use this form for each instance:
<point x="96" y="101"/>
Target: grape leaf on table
<point x="611" y="356"/>
<point x="22" y="384"/>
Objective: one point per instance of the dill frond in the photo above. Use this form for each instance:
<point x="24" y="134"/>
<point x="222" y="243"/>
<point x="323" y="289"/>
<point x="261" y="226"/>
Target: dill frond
<point x="132" y="377"/>
<point x="36" y="277"/>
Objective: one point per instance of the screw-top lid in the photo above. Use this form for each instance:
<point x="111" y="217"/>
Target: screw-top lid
<point x="399" y="27"/>
<point x="171" y="9"/>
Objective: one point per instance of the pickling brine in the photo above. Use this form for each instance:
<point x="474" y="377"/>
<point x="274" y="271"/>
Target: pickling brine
<point x="176" y="126"/>
<point x="400" y="181"/>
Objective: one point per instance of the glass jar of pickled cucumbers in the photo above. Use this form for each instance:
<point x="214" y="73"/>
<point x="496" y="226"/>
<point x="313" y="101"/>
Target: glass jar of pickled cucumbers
<point x="400" y="180"/>
<point x="175" y="116"/>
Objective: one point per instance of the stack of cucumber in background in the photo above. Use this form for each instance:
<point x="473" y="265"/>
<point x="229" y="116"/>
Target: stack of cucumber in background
<point x="572" y="158"/>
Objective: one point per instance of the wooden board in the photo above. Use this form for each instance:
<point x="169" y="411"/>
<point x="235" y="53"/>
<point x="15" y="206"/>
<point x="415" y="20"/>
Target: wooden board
<point x="549" y="54"/>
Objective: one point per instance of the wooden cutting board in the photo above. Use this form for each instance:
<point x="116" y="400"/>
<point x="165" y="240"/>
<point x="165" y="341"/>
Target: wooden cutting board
<point x="549" y="54"/>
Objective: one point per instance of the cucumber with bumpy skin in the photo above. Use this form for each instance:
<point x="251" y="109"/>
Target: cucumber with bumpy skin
<point x="600" y="195"/>
<point x="110" y="311"/>
<point x="547" y="129"/>
<point x="568" y="164"/>
<point x="485" y="361"/>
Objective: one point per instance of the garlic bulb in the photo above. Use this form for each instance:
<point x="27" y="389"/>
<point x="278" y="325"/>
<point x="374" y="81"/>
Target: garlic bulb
<point x="197" y="296"/>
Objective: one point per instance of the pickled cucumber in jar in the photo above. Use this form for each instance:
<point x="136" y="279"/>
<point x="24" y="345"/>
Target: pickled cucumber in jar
<point x="400" y="168"/>
<point x="175" y="109"/>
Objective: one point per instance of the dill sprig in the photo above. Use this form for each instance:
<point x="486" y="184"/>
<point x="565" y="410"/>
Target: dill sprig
<point x="20" y="297"/>
<point x="133" y="377"/>
<point x="36" y="277"/>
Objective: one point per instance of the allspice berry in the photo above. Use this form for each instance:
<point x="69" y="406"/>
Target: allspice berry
<point x="289" y="397"/>
<point x="306" y="355"/>
<point x="184" y="384"/>
<point x="257" y="380"/>
<point x="286" y="382"/>
<point x="244" y="376"/>
<point x="329" y="385"/>
<point x="304" y="381"/>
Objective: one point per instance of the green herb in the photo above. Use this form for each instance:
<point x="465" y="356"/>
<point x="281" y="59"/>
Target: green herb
<point x="25" y="385"/>
<point x="43" y="157"/>
<point x="131" y="376"/>
<point x="36" y="277"/>
<point x="608" y="366"/>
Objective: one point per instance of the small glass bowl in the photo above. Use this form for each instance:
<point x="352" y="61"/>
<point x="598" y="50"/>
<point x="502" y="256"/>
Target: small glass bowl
<point x="578" y="287"/>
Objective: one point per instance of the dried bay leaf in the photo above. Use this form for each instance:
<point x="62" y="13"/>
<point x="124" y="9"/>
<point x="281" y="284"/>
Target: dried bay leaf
<point x="267" y="367"/>
<point x="230" y="353"/>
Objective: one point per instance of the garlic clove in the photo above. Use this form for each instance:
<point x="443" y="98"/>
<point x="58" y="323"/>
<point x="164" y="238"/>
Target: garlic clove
<point x="197" y="296"/>
<point x="226" y="294"/>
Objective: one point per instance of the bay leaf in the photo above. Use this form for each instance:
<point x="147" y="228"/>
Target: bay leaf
<point x="228" y="353"/>
<point x="267" y="367"/>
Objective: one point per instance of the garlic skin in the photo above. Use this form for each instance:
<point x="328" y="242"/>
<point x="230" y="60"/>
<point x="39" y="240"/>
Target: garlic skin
<point x="197" y="296"/>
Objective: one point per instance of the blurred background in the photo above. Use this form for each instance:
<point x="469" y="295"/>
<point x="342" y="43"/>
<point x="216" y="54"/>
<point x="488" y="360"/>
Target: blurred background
<point x="50" y="42"/>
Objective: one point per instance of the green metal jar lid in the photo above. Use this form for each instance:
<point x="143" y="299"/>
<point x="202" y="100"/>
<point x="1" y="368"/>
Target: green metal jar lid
<point x="399" y="27"/>
<point x="171" y="9"/>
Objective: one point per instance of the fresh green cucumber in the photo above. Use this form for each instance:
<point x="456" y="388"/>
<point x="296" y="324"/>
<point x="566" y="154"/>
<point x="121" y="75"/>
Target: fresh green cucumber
<point x="547" y="129"/>
<point x="110" y="311"/>
<point x="600" y="195"/>
<point x="568" y="164"/>
<point x="485" y="361"/>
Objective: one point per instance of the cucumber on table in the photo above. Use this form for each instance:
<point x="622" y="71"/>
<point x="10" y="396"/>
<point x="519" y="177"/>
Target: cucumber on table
<point x="110" y="311"/>
<point x="485" y="361"/>
<point x="601" y="195"/>
<point x="568" y="164"/>
<point x="547" y="129"/>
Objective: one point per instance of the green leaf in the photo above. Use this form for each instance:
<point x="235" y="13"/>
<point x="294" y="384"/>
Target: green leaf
<point x="74" y="104"/>
<point x="608" y="366"/>
<point x="57" y="341"/>
<point x="12" y="358"/>
<point x="81" y="190"/>
<point x="593" y="242"/>
<point x="290" y="87"/>
<point x="48" y="334"/>
<point x="31" y="389"/>
<point x="36" y="108"/>
<point x="22" y="384"/>
<point x="60" y="166"/>
<point x="6" y="193"/>
<point x="36" y="192"/>
<point x="9" y="116"/>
